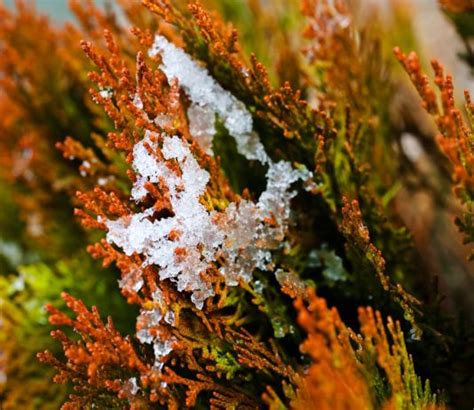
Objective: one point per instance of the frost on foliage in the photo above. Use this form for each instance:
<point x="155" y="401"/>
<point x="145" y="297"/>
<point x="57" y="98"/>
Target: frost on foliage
<point x="209" y="98"/>
<point x="132" y="282"/>
<point x="130" y="389"/>
<point x="148" y="329"/>
<point x="192" y="239"/>
<point x="205" y="92"/>
<point x="202" y="126"/>
<point x="239" y="235"/>
<point x="241" y="238"/>
<point x="137" y="101"/>
<point x="106" y="93"/>
<point x="151" y="238"/>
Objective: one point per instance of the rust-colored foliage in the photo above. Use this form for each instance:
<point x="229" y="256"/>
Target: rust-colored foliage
<point x="44" y="106"/>
<point x="334" y="380"/>
<point x="331" y="36"/>
<point x="456" y="134"/>
<point x="457" y="6"/>
<point x="282" y="109"/>
<point x="345" y="364"/>
<point x="208" y="345"/>
<point x="206" y="337"/>
<point x="93" y="361"/>
<point x="358" y="239"/>
<point x="199" y="337"/>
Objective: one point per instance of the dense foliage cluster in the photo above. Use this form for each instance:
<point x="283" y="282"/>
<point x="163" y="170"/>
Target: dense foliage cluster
<point x="236" y="205"/>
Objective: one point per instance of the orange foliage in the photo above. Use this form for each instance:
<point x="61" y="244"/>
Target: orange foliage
<point x="456" y="138"/>
<point x="345" y="365"/>
<point x="334" y="380"/>
<point x="457" y="6"/>
<point x="102" y="364"/>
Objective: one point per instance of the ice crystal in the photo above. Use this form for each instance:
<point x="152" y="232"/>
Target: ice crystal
<point x="137" y="101"/>
<point x="239" y="237"/>
<point x="131" y="388"/>
<point x="209" y="98"/>
<point x="205" y="92"/>
<point x="202" y="126"/>
<point x="163" y="120"/>
<point x="148" y="331"/>
<point x="169" y="317"/>
<point x="133" y="281"/>
<point x="106" y="93"/>
<point x="193" y="222"/>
